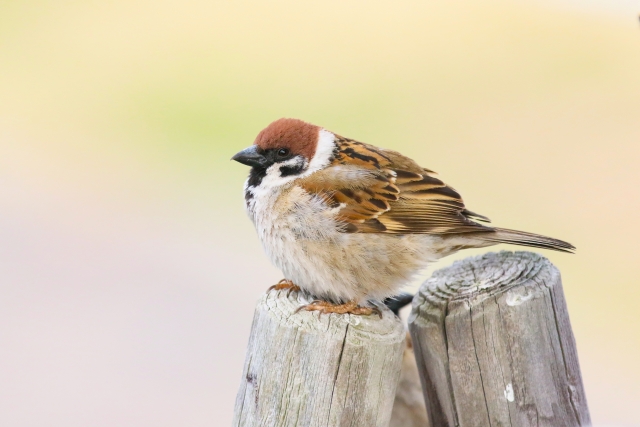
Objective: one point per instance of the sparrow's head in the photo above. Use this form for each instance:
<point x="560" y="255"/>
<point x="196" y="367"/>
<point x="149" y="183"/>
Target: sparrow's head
<point x="288" y="149"/>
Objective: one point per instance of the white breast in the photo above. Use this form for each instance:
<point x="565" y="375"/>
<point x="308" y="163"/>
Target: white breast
<point x="293" y="227"/>
<point x="301" y="236"/>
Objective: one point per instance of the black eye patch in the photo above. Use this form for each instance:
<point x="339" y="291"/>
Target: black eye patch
<point x="276" y="155"/>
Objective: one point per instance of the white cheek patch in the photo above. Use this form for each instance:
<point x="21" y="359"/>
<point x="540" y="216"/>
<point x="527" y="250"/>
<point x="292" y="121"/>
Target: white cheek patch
<point x="274" y="178"/>
<point x="297" y="162"/>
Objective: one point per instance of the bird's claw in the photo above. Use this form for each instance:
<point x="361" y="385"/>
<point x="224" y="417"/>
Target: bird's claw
<point x="351" y="307"/>
<point x="284" y="284"/>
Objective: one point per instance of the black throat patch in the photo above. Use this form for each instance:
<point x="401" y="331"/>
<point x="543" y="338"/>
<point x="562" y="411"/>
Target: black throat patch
<point x="256" y="175"/>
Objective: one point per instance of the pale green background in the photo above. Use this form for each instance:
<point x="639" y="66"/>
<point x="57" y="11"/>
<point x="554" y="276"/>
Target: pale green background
<point x="128" y="269"/>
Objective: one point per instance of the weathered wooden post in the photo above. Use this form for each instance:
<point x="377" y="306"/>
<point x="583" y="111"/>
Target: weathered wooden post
<point x="494" y="345"/>
<point x="408" y="408"/>
<point x="303" y="369"/>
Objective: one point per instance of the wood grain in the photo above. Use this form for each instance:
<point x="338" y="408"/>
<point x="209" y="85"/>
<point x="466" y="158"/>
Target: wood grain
<point x="494" y="345"/>
<point x="303" y="369"/>
<point x="408" y="408"/>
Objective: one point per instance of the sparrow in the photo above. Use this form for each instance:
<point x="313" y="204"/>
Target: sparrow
<point x="349" y="222"/>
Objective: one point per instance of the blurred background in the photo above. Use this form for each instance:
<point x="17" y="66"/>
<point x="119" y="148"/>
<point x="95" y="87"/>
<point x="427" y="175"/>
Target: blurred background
<point x="128" y="269"/>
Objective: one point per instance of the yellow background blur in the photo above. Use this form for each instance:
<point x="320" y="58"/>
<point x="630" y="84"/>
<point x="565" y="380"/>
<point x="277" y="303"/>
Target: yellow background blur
<point x="128" y="269"/>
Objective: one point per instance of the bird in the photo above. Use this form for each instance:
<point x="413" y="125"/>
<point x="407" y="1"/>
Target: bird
<point x="351" y="223"/>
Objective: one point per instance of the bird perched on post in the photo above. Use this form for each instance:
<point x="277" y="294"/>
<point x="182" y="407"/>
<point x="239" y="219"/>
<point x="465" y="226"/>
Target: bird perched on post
<point x="348" y="222"/>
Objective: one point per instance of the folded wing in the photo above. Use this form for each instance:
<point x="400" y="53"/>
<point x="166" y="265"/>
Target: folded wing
<point x="381" y="191"/>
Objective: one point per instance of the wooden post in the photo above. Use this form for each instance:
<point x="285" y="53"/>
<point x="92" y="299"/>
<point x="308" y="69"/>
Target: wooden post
<point x="494" y="345"/>
<point x="408" y="408"/>
<point x="303" y="369"/>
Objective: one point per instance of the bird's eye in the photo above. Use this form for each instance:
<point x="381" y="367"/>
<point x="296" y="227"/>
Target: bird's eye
<point x="283" y="152"/>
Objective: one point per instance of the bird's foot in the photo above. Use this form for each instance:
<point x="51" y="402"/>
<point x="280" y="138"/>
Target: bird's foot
<point x="285" y="284"/>
<point x="350" y="307"/>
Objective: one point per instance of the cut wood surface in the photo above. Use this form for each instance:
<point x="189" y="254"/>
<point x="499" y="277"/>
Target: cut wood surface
<point x="303" y="369"/>
<point x="494" y="345"/>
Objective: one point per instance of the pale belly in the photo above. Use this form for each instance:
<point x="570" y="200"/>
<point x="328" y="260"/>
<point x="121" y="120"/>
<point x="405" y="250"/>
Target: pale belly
<point x="305" y="242"/>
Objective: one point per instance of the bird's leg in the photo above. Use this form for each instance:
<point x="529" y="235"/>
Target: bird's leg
<point x="285" y="284"/>
<point x="350" y="307"/>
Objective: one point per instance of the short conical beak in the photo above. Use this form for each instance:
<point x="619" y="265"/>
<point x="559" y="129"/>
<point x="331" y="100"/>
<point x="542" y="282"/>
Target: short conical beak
<point x="250" y="157"/>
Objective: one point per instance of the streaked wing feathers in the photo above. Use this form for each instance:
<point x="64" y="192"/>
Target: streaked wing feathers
<point x="381" y="191"/>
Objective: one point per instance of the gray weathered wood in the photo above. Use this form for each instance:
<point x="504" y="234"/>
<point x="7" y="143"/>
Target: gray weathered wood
<point x="408" y="408"/>
<point x="303" y="369"/>
<point x="494" y="345"/>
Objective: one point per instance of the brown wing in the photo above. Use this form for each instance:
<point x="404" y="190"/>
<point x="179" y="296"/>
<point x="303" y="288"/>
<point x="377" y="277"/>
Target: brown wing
<point x="381" y="191"/>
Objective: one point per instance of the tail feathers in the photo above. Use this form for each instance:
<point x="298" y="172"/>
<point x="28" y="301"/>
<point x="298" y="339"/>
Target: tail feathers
<point x="503" y="235"/>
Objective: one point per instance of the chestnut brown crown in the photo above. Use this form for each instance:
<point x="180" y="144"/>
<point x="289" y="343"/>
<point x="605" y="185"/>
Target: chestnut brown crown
<point x="297" y="136"/>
